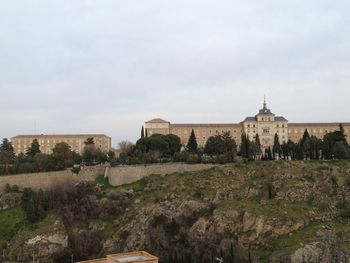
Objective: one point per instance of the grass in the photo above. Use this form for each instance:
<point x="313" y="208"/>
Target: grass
<point x="103" y="181"/>
<point x="10" y="222"/>
<point x="26" y="231"/>
<point x="272" y="208"/>
<point x="287" y="243"/>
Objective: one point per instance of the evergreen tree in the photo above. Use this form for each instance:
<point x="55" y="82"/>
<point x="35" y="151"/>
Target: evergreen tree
<point x="276" y="149"/>
<point x="305" y="145"/>
<point x="315" y="148"/>
<point x="335" y="145"/>
<point x="291" y="146"/>
<point x="299" y="154"/>
<point x="221" y="144"/>
<point x="142" y="133"/>
<point x="258" y="144"/>
<point x="285" y="151"/>
<point x="33" y="149"/>
<point x="341" y="129"/>
<point x="89" y="151"/>
<point x="192" y="143"/>
<point x="62" y="156"/>
<point x="7" y="154"/>
<point x="243" y="149"/>
<point x="31" y="214"/>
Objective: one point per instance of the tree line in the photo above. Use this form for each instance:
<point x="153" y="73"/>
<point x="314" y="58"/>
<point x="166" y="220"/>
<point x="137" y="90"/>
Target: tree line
<point x="62" y="157"/>
<point x="334" y="145"/>
<point x="220" y="148"/>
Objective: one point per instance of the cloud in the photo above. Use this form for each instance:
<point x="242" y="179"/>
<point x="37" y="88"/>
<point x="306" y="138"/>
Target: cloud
<point x="107" y="66"/>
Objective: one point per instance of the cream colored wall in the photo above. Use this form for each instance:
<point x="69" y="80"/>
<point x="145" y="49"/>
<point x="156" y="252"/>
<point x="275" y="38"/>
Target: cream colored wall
<point x="296" y="131"/>
<point x="266" y="139"/>
<point x="157" y="128"/>
<point x="284" y="130"/>
<point x="46" y="180"/>
<point x="48" y="142"/>
<point x="203" y="132"/>
<point x="129" y="174"/>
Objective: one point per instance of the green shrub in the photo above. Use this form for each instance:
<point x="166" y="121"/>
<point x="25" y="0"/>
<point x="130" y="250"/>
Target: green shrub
<point x="76" y="170"/>
<point x="193" y="158"/>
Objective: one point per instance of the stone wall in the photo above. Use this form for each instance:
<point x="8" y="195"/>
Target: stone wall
<point x="117" y="175"/>
<point x="129" y="174"/>
<point x="47" y="179"/>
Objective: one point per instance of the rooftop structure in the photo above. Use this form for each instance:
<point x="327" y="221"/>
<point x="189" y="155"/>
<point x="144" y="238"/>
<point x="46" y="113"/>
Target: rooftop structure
<point x="130" y="257"/>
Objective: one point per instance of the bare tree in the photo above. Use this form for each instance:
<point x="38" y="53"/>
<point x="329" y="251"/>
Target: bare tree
<point x="125" y="146"/>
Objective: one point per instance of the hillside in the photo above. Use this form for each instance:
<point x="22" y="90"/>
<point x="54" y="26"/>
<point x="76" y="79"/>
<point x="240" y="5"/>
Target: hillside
<point x="256" y="212"/>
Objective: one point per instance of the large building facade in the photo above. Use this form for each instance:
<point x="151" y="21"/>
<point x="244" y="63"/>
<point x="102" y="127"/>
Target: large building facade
<point x="21" y="143"/>
<point x="264" y="123"/>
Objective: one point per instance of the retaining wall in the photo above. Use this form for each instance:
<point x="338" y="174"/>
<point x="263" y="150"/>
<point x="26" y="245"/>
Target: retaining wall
<point x="117" y="175"/>
<point x="46" y="179"/>
<point x="129" y="174"/>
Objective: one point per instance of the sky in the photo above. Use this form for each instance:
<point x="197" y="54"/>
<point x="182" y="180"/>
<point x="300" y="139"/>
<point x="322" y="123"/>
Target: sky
<point x="107" y="66"/>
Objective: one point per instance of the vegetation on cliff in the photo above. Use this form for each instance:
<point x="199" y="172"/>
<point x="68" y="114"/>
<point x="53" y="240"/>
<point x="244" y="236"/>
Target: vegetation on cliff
<point x="257" y="212"/>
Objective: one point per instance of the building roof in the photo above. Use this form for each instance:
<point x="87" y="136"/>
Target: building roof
<point x="319" y="124"/>
<point x="277" y="118"/>
<point x="203" y="125"/>
<point x="265" y="110"/>
<point x="130" y="257"/>
<point x="157" y="120"/>
<point x="250" y="119"/>
<point x="280" y="118"/>
<point x="58" y="135"/>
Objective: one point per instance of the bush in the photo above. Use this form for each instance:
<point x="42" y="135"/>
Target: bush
<point x="76" y="170"/>
<point x="347" y="181"/>
<point x="192" y="159"/>
<point x="180" y="156"/>
<point x="221" y="159"/>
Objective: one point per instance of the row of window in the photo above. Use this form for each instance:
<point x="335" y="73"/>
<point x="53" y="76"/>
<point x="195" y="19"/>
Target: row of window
<point x="310" y="130"/>
<point x="180" y="131"/>
<point x="278" y="126"/>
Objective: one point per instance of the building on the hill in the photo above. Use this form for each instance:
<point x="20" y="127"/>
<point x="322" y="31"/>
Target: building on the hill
<point x="131" y="257"/>
<point x="21" y="143"/>
<point x="264" y="123"/>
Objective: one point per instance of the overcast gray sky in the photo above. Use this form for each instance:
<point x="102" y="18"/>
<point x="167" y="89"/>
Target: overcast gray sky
<point x="106" y="66"/>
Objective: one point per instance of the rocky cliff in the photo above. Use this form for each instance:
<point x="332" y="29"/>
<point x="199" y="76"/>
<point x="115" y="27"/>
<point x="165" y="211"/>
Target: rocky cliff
<point x="256" y="212"/>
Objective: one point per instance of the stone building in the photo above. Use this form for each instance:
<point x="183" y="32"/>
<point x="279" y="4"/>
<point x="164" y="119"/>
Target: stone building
<point x="21" y="143"/>
<point x="264" y="123"/>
